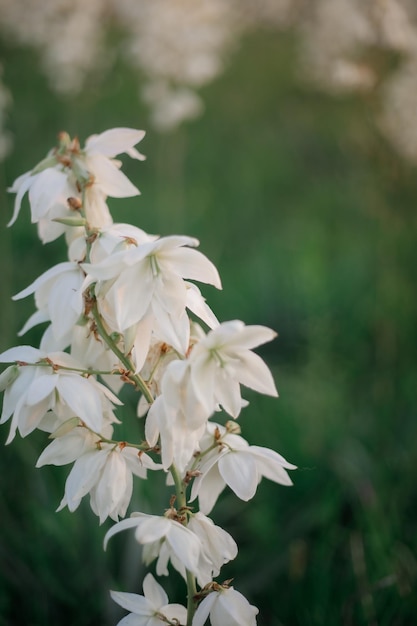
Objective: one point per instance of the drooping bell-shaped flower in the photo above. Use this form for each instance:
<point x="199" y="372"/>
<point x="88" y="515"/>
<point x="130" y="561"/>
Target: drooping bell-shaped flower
<point x="59" y="176"/>
<point x="177" y="417"/>
<point x="49" y="190"/>
<point x="51" y="382"/>
<point x="237" y="464"/>
<point x="223" y="360"/>
<point x="58" y="298"/>
<point x="106" y="474"/>
<point x="218" y="547"/>
<point x="145" y="286"/>
<point x="165" y="539"/>
<point x="225" y="607"/>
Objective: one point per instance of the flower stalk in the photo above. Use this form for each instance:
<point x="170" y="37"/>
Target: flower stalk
<point x="123" y="307"/>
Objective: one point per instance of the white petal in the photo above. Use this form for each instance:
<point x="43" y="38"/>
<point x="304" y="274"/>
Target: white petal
<point x="152" y="421"/>
<point x="208" y="490"/>
<point x="203" y="379"/>
<point x="232" y="604"/>
<point x="154" y="593"/>
<point x="29" y="417"/>
<point x="193" y="265"/>
<point x="172" y="329"/>
<point x="130" y="295"/>
<point x="54" y="271"/>
<point x="49" y="187"/>
<point x="185" y="545"/>
<point x="228" y="393"/>
<point x="152" y="528"/>
<point x="36" y="318"/>
<point x="131" y="522"/>
<point x="135" y="154"/>
<point x="253" y="372"/>
<point x="114" y="141"/>
<point x="40" y="388"/>
<point x="25" y="354"/>
<point x="175" y="612"/>
<point x="109" y="179"/>
<point x="64" y="450"/>
<point x="8" y="376"/>
<point x="218" y="546"/>
<point x="197" y="304"/>
<point x="238" y="470"/>
<point x="82" y="398"/>
<point x="24" y="182"/>
<point x="83" y="476"/>
<point x="114" y="490"/>
<point x="271" y="465"/>
<point x="142" y="340"/>
<point x="249" y="337"/>
<point x="16" y="392"/>
<point x="204" y="609"/>
<point x="132" y="602"/>
<point x="138" y="462"/>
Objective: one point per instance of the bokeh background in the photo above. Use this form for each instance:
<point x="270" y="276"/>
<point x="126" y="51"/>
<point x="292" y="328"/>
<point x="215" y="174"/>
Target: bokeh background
<point x="290" y="153"/>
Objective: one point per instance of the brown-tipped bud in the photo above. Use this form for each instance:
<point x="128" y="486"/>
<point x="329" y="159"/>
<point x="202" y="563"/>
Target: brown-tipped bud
<point x="75" y="145"/>
<point x="64" y="139"/>
<point x="233" y="428"/>
<point x="74" y="204"/>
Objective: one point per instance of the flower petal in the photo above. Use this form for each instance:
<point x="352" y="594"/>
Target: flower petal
<point x="109" y="179"/>
<point x="132" y="602"/>
<point x="82" y="398"/>
<point x="114" y="141"/>
<point x="204" y="609"/>
<point x="253" y="372"/>
<point x="154" y="593"/>
<point x="238" y="470"/>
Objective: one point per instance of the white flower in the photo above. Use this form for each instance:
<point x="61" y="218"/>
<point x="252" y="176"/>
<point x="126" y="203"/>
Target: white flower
<point x="151" y="608"/>
<point x="226" y="607"/>
<point x="144" y="286"/>
<point x="44" y="385"/>
<point x="236" y="464"/>
<point x="58" y="176"/>
<point x="117" y="238"/>
<point x="48" y="190"/>
<point x="106" y="474"/>
<point x="218" y="547"/>
<point x="164" y="538"/>
<point x="176" y="416"/>
<point x="96" y="162"/>
<point x="223" y="360"/>
<point x="70" y="442"/>
<point x="58" y="298"/>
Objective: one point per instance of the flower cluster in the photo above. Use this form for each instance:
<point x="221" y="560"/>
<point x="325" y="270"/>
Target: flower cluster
<point x="124" y="309"/>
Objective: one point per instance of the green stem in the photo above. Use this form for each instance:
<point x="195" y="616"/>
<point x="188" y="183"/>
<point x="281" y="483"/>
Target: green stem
<point x="181" y="493"/>
<point x="136" y="378"/>
<point x="191" y="592"/>
<point x="139" y="446"/>
<point x="86" y="372"/>
<point x="200" y="455"/>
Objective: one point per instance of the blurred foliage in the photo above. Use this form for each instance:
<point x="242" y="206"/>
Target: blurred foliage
<point x="311" y="220"/>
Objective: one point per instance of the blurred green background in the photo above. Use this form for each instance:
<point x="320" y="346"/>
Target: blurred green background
<point x="312" y="221"/>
